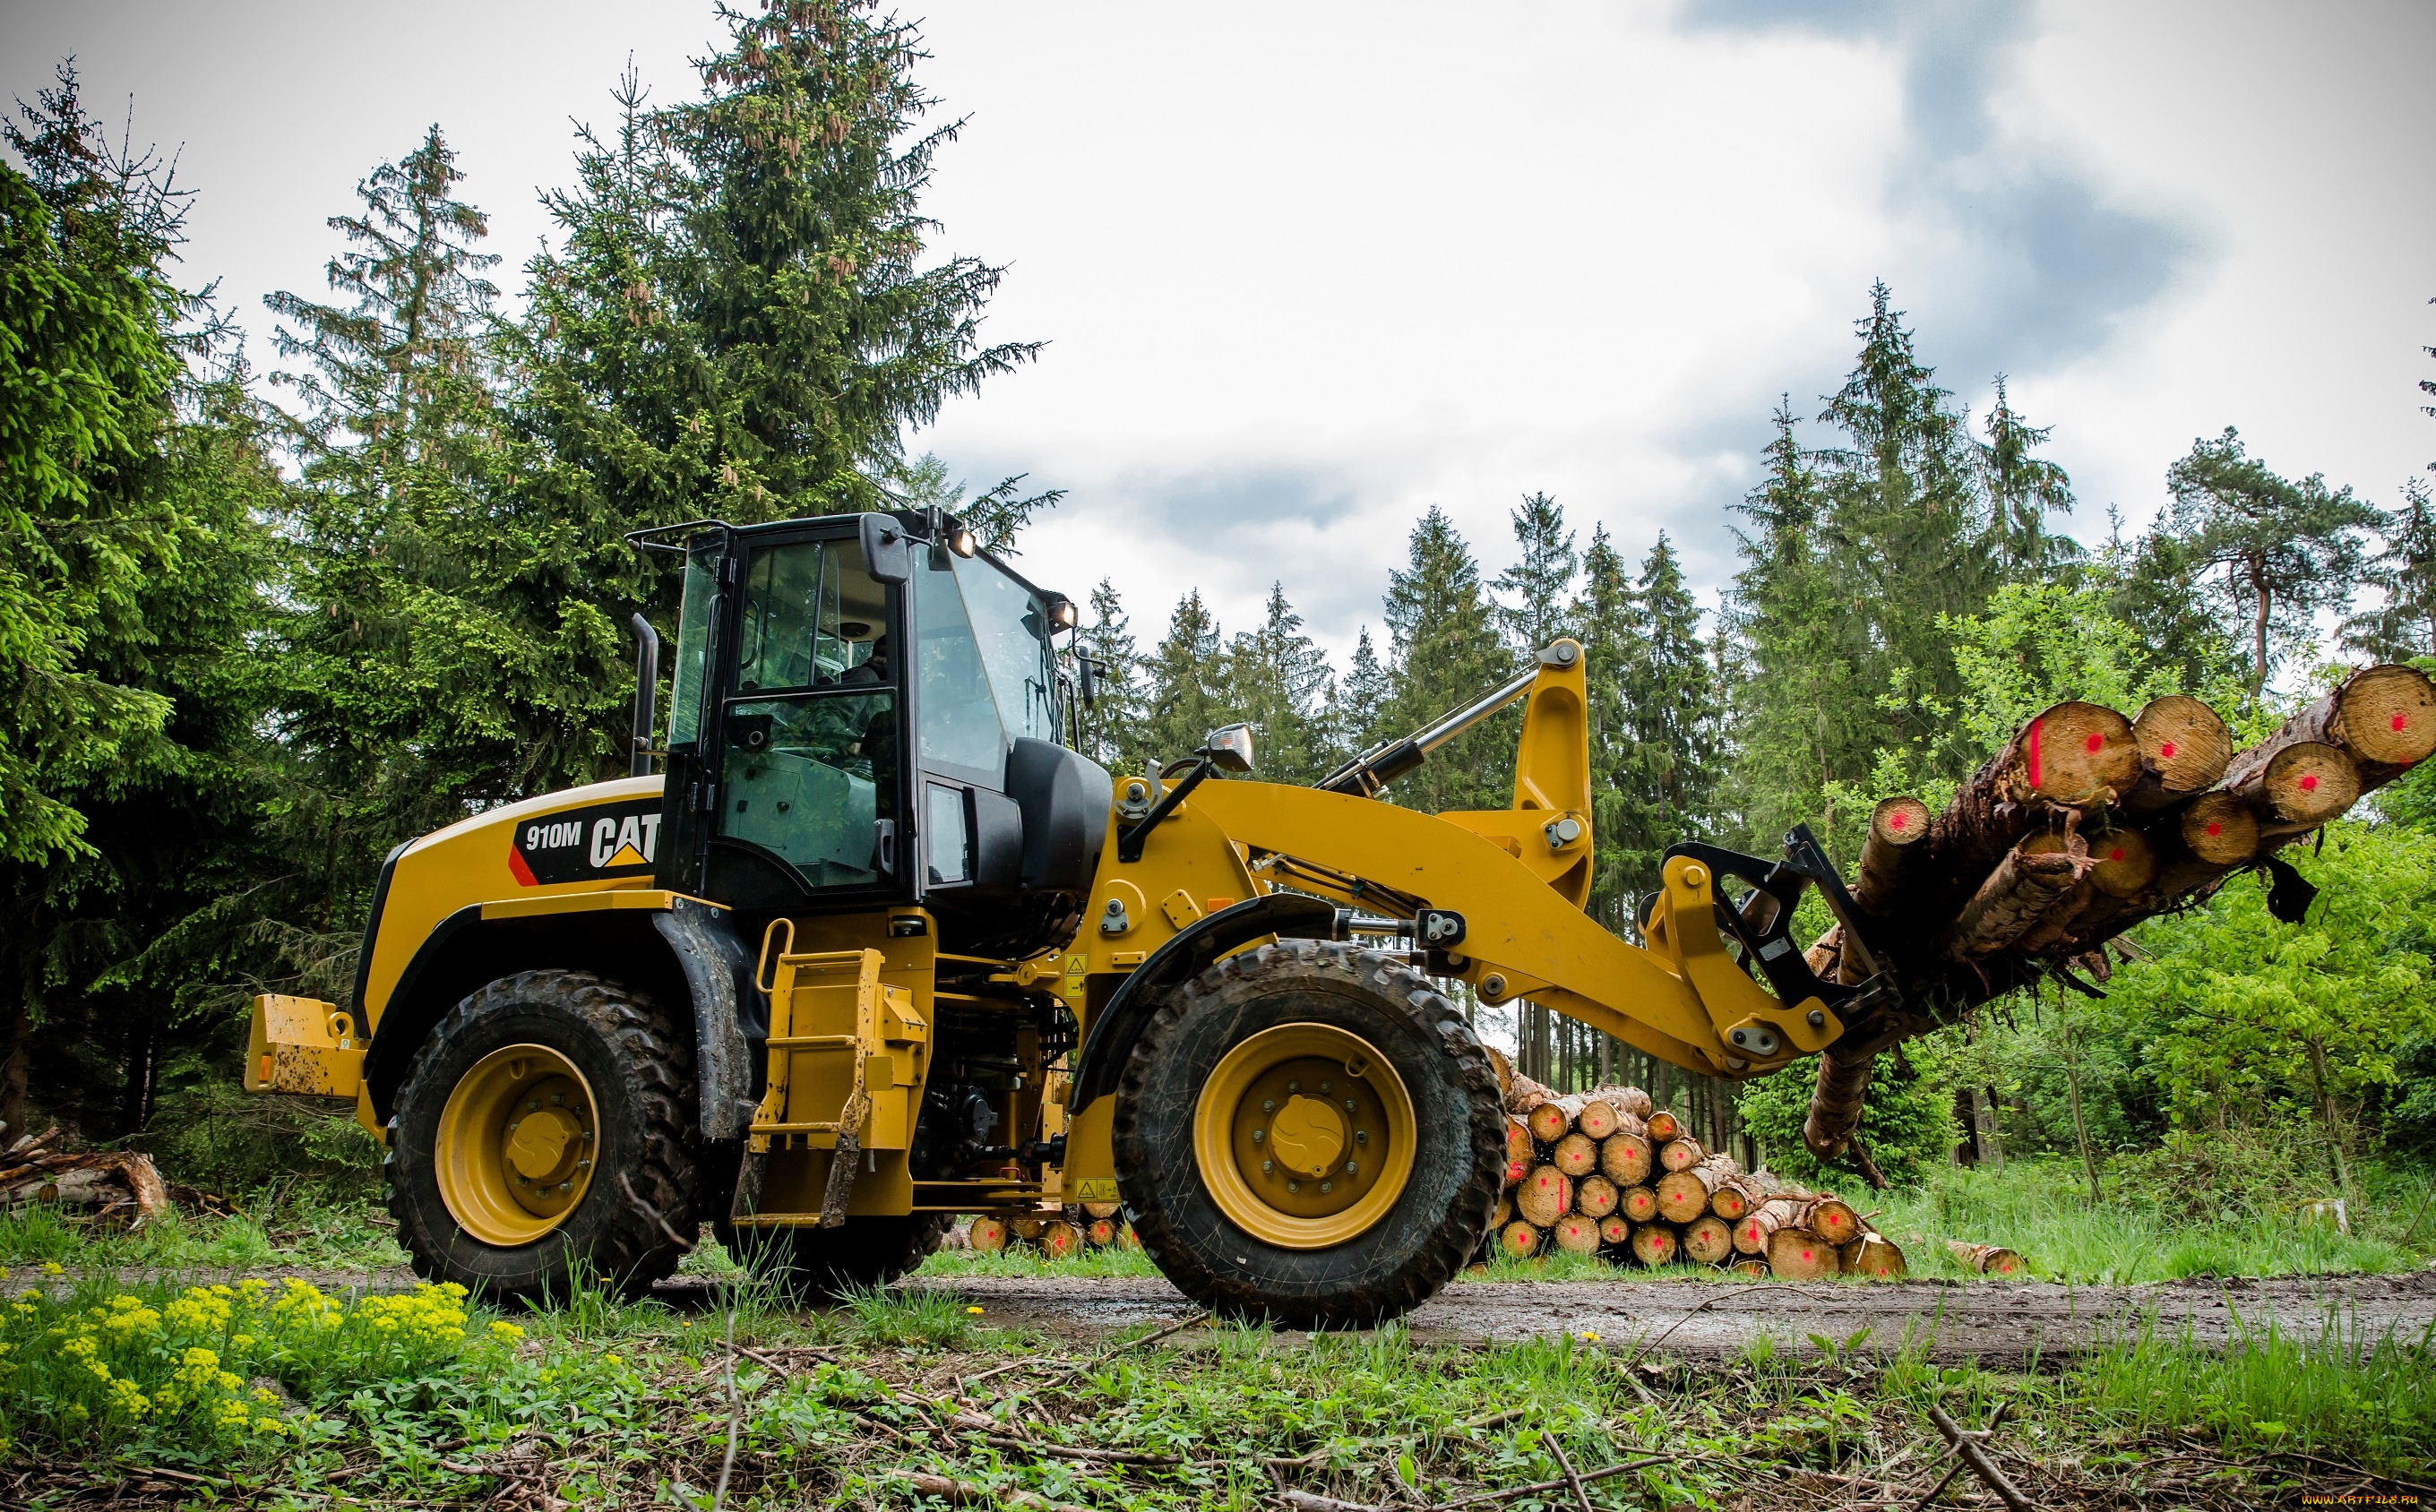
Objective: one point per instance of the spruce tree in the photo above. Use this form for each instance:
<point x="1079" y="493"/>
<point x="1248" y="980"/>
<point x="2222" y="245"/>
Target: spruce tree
<point x="1532" y="610"/>
<point x="2404" y="625"/>
<point x="2022" y="489"/>
<point x="2271" y="552"/>
<point x="1278" y="682"/>
<point x="1445" y="651"/>
<point x="1187" y="696"/>
<point x="1608" y="618"/>
<point x="1360" y="713"/>
<point x="1672" y="709"/>
<point x="1111" y="726"/>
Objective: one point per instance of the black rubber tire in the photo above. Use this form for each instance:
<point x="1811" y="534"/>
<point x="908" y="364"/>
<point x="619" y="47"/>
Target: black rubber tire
<point x="636" y="1218"/>
<point x="1435" y="1227"/>
<point x="860" y="1254"/>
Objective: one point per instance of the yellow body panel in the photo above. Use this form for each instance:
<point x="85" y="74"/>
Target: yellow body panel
<point x="302" y="1046"/>
<point x="475" y="860"/>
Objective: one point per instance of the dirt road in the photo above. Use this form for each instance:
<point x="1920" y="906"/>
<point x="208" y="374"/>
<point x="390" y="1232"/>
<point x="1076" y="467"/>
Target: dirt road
<point x="1991" y="1322"/>
<point x="2018" y="1323"/>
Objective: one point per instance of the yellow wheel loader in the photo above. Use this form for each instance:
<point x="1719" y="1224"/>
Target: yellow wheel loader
<point x="875" y="948"/>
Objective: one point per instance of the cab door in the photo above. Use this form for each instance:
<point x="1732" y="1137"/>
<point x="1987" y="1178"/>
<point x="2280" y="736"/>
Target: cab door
<point x="799" y="757"/>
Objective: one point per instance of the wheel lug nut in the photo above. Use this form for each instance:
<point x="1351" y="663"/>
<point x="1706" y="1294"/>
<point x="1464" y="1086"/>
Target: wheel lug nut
<point x="1270" y="1105"/>
<point x="1294" y="1087"/>
<point x="1258" y="1134"/>
<point x="1267" y="1166"/>
<point x="1348" y="1104"/>
<point x="1362" y="1137"/>
<point x="1327" y="1186"/>
<point x="1350" y="1168"/>
<point x="1294" y="1185"/>
<point x="533" y="1106"/>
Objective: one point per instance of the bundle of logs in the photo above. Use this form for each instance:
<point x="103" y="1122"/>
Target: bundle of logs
<point x="2087" y="823"/>
<point x="1060" y="1235"/>
<point x="1603" y="1173"/>
<point x="111" y="1187"/>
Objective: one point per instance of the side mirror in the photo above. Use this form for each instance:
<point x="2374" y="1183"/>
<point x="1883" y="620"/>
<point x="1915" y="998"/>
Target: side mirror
<point x="1231" y="749"/>
<point x="886" y="555"/>
<point x="1087" y="681"/>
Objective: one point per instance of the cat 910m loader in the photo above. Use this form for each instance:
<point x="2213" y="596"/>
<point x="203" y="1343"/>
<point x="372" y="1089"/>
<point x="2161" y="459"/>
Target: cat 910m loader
<point x="875" y="948"/>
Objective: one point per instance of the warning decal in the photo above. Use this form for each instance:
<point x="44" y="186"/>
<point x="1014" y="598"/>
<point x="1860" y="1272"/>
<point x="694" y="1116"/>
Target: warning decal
<point x="597" y="843"/>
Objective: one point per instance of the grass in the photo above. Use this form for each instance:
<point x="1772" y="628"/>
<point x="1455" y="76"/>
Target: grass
<point x="2042" y="1210"/>
<point x="611" y="1402"/>
<point x="354" y="1237"/>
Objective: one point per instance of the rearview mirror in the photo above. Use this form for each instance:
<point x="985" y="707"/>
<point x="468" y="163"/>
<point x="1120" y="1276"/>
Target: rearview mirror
<point x="1231" y="749"/>
<point x="885" y="554"/>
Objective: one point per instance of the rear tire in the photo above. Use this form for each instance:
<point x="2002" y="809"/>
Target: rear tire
<point x="857" y="1255"/>
<point x="634" y="1218"/>
<point x="1458" y="1144"/>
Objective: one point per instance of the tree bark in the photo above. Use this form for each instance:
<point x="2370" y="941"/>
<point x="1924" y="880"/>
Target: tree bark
<point x="1896" y="826"/>
<point x="1835" y="1102"/>
<point x="1986" y="1260"/>
<point x="2032" y="877"/>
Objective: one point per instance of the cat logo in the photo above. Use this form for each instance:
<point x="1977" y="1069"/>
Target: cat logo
<point x="597" y="842"/>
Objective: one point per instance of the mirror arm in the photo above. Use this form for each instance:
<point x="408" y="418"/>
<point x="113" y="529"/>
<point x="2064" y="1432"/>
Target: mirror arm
<point x="1129" y="842"/>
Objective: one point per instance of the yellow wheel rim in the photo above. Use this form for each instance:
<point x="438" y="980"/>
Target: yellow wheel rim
<point x="1304" y="1135"/>
<point x="517" y="1142"/>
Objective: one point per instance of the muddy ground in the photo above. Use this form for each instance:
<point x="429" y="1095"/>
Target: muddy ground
<point x="1996" y="1323"/>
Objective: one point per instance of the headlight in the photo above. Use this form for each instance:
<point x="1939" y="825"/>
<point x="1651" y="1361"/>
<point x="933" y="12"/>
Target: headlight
<point x="961" y="542"/>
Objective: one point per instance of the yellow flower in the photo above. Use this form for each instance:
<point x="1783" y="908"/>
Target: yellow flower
<point x="1591" y="1337"/>
<point x="974" y="1311"/>
<point x="504" y="1330"/>
<point x="53" y="1268"/>
<point x="615" y="1360"/>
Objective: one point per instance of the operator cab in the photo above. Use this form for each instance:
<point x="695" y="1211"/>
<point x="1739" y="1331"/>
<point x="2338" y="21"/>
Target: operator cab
<point x="867" y="712"/>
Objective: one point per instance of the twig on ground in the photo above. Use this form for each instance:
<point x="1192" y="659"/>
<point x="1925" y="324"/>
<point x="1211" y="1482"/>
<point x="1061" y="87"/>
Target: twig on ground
<point x="1763" y="1286"/>
<point x="1956" y="1468"/>
<point x="1484" y="1497"/>
<point x="1571" y="1478"/>
<point x="735" y="1408"/>
<point x="1967" y="1445"/>
<point x="949" y="1489"/>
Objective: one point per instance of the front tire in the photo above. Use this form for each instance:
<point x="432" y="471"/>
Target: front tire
<point x="1311" y="1134"/>
<point x="547" y="1128"/>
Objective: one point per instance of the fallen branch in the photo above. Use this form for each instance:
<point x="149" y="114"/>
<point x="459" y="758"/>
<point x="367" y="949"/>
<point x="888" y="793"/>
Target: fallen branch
<point x="1967" y="1446"/>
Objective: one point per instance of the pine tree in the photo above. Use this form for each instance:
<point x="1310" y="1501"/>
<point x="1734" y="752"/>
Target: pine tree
<point x="1111" y="730"/>
<point x="2404" y="625"/>
<point x="1278" y="682"/>
<point x="1608" y="618"/>
<point x="1360" y="714"/>
<point x="2022" y="489"/>
<point x="1533" y="612"/>
<point x="1187" y="697"/>
<point x="1673" y="712"/>
<point x="1445" y="652"/>
<point x="2284" y="551"/>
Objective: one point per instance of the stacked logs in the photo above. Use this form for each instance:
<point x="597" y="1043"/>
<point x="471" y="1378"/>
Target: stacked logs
<point x="1061" y="1234"/>
<point x="1604" y="1172"/>
<point x="2087" y="823"/>
<point x="111" y="1187"/>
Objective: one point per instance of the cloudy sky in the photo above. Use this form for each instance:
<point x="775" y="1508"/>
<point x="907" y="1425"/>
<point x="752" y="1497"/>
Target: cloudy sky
<point x="1306" y="270"/>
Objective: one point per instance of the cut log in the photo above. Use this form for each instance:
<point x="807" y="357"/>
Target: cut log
<point x="1102" y="1209"/>
<point x="1640" y="1203"/>
<point x="1517" y="1239"/>
<point x="1742" y="1192"/>
<point x="1615" y="1231"/>
<point x="1662" y="1126"/>
<point x="1596" y="1196"/>
<point x="1988" y="1259"/>
<point x="1625" y="1158"/>
<point x="1874" y="1255"/>
<point x="2219" y="828"/>
<point x="2184" y="749"/>
<point x="1101" y="1233"/>
<point x="2080" y="754"/>
<point x="1748" y="1268"/>
<point x="1629" y="1101"/>
<point x="1681" y="1198"/>
<point x="1524" y="1094"/>
<point x="2127" y="863"/>
<point x="1504" y="1069"/>
<point x="1576" y="1234"/>
<point x="1519" y="1151"/>
<point x="1654" y="1244"/>
<point x="1751" y="1230"/>
<point x="1896" y="824"/>
<point x="988" y="1235"/>
<point x="1832" y="1219"/>
<point x="1554" y="1119"/>
<point x="1027" y="1230"/>
<point x="1060" y="1240"/>
<point x="1825" y="953"/>
<point x="1709" y="1240"/>
<point x="1608" y="1109"/>
<point x="1835" y="1102"/>
<point x="2033" y="876"/>
<point x="1504" y="1213"/>
<point x="1680" y="1154"/>
<point x="1798" y="1255"/>
<point x="1577" y="1155"/>
<point x="2383" y="718"/>
<point x="1546" y="1195"/>
<point x="2293" y="787"/>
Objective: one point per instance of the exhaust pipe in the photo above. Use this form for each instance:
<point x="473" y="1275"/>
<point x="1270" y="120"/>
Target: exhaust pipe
<point x="647" y="694"/>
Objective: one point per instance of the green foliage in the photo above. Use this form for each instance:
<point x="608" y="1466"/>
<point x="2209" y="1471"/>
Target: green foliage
<point x="1444" y="653"/>
<point x="1907" y="1118"/>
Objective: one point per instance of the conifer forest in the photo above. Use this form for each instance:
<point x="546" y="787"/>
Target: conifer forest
<point x="268" y="612"/>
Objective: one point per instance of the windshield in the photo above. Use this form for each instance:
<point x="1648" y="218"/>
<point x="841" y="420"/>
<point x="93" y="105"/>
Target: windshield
<point x="1013" y="637"/>
<point x="693" y="639"/>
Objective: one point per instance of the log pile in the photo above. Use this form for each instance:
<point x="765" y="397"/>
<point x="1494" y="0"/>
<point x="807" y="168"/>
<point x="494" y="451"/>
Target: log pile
<point x="2087" y="823"/>
<point x="1062" y="1234"/>
<point x="1647" y="1193"/>
<point x="112" y="1187"/>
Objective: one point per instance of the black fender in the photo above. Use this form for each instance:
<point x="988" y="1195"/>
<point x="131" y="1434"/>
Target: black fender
<point x="694" y="955"/>
<point x="1110" y="1043"/>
